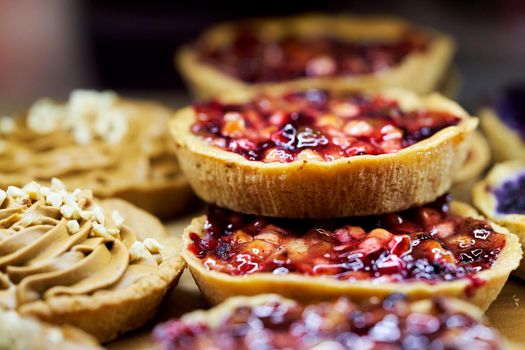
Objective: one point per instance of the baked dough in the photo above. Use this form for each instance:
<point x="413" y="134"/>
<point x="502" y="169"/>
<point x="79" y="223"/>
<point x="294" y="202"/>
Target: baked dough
<point x="320" y="189"/>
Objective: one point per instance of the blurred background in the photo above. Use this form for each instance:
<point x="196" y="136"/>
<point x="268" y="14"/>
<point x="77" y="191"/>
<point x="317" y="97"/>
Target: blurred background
<point x="49" y="47"/>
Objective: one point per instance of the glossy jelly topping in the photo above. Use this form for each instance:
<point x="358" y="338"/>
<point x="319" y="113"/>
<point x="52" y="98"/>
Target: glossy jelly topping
<point x="315" y="124"/>
<point x="510" y="195"/>
<point x="253" y="60"/>
<point x="427" y="243"/>
<point x="510" y="107"/>
<point x="338" y="325"/>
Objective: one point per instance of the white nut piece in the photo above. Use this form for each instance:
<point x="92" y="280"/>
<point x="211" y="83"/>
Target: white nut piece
<point x="114" y="232"/>
<point x="98" y="213"/>
<point x="152" y="245"/>
<point x="32" y="189"/>
<point x="54" y="199"/>
<point x="57" y="184"/>
<point x="73" y="226"/>
<point x="86" y="214"/>
<point x="100" y="231"/>
<point x="70" y="211"/>
<point x="44" y="191"/>
<point x="138" y="251"/>
<point x="15" y="192"/>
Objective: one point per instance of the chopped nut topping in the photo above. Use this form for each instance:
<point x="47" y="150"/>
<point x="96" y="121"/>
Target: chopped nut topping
<point x="100" y="230"/>
<point x="152" y="245"/>
<point x="54" y="199"/>
<point x="99" y="214"/>
<point x="138" y="251"/>
<point x="117" y="218"/>
<point x="73" y="226"/>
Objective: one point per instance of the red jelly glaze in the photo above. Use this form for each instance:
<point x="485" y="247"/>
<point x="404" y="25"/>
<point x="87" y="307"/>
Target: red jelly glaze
<point x="315" y="124"/>
<point x="253" y="60"/>
<point x="427" y="243"/>
<point x="340" y="324"/>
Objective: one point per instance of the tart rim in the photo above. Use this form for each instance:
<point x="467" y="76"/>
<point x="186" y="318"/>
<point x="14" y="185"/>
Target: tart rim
<point x="211" y="282"/>
<point x="505" y="143"/>
<point x="212" y="171"/>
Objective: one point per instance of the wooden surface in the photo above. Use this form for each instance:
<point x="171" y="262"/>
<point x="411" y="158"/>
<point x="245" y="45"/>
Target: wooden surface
<point x="507" y="313"/>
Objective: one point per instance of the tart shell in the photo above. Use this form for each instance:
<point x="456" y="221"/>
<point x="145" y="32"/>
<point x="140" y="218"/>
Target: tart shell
<point x="505" y="143"/>
<point x="217" y="286"/>
<point x="420" y="72"/>
<point x="486" y="202"/>
<point x="478" y="159"/>
<point x="316" y="189"/>
<point x="108" y="313"/>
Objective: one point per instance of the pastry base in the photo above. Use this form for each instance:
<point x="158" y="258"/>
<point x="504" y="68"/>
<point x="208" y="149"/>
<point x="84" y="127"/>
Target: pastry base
<point x="419" y="72"/>
<point x="504" y="142"/>
<point x="316" y="189"/>
<point x="107" y="314"/>
<point x="217" y="287"/>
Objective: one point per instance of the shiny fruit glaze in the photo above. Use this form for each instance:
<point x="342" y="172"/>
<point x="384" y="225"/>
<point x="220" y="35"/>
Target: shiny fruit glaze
<point x="510" y="195"/>
<point x="253" y="60"/>
<point x="336" y="325"/>
<point x="315" y="125"/>
<point x="427" y="243"/>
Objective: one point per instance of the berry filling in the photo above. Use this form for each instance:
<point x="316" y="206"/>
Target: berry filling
<point x="338" y="325"/>
<point x="427" y="243"/>
<point x="253" y="60"/>
<point x="315" y="124"/>
<point x="510" y="196"/>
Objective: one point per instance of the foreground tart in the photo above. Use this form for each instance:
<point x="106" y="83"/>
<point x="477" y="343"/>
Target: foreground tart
<point x="65" y="258"/>
<point x="97" y="140"/>
<point x="273" y="322"/>
<point x="320" y="153"/>
<point x="422" y="252"/>
<point x="478" y="159"/>
<point x="504" y="124"/>
<point x="304" y="51"/>
<point x="25" y="333"/>
<point x="501" y="197"/>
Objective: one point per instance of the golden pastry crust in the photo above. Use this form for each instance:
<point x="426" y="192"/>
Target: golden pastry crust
<point x="143" y="171"/>
<point x="420" y="72"/>
<point x="217" y="287"/>
<point x="478" y="159"/>
<point x="486" y="202"/>
<point x="320" y="189"/>
<point x="24" y="333"/>
<point x="505" y="143"/>
<point x="108" y="313"/>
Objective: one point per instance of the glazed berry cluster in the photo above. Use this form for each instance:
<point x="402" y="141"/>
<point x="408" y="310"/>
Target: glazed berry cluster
<point x="334" y="325"/>
<point x="315" y="124"/>
<point x="427" y="243"/>
<point x="253" y="60"/>
<point x="510" y="195"/>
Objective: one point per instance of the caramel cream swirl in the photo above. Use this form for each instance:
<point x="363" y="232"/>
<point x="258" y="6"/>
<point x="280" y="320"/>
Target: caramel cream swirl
<point x="54" y="242"/>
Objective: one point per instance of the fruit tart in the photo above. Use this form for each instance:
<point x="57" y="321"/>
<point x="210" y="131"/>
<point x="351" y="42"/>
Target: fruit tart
<point x="26" y="333"/>
<point x="503" y="123"/>
<point x="319" y="153"/>
<point x="303" y="51"/>
<point x="501" y="197"/>
<point x="101" y="265"/>
<point x="435" y="249"/>
<point x="97" y="140"/>
<point x="478" y="159"/>
<point x="270" y="321"/>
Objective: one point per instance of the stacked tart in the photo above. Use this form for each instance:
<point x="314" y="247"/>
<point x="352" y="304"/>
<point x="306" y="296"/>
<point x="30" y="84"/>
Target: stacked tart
<point x="501" y="197"/>
<point x="273" y="322"/>
<point x="116" y="147"/>
<point x="325" y="192"/>
<point x="101" y="265"/>
<point x="305" y="51"/>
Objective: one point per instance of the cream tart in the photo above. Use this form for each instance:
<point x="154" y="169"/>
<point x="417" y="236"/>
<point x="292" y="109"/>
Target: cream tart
<point x="26" y="333"/>
<point x="422" y="252"/>
<point x="501" y="197"/>
<point x="503" y="123"/>
<point x="270" y="321"/>
<point x="304" y="51"/>
<point x="103" y="266"/>
<point x="319" y="153"/>
<point x="478" y="159"/>
<point x="97" y="140"/>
